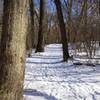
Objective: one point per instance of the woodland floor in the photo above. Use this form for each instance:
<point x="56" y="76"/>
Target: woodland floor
<point x="48" y="78"/>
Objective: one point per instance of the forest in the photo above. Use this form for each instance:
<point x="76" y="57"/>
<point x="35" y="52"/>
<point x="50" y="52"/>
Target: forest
<point x="49" y="49"/>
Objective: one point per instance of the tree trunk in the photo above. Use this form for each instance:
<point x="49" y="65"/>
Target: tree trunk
<point x="30" y="30"/>
<point x="99" y="6"/>
<point x="70" y="2"/>
<point x="99" y="15"/>
<point x="32" y="21"/>
<point x="40" y="44"/>
<point x="12" y="56"/>
<point x="62" y="30"/>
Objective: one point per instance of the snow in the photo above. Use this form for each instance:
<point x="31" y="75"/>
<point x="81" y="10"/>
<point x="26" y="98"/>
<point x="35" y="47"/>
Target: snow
<point x="48" y="78"/>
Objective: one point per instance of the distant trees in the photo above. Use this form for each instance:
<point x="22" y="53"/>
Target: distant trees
<point x="83" y="25"/>
<point x="62" y="30"/>
<point x="13" y="45"/>
<point x="40" y="44"/>
<point x="69" y="5"/>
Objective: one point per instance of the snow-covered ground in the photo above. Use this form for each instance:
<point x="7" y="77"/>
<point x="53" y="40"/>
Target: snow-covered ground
<point x="48" y="78"/>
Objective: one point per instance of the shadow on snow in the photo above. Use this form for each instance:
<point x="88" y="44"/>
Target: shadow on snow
<point x="33" y="92"/>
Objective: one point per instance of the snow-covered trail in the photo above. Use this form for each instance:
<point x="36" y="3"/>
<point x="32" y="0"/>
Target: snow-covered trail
<point x="48" y="78"/>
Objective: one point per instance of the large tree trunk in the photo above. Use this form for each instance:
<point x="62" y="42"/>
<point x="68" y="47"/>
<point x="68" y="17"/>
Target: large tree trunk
<point x="62" y="30"/>
<point x="13" y="44"/>
<point x="40" y="44"/>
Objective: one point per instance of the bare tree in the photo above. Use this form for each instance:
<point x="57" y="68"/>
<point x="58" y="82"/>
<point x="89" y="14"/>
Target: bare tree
<point x="30" y="29"/>
<point x="40" y="44"/>
<point x="62" y="30"/>
<point x="12" y="56"/>
<point x="32" y="11"/>
<point x="68" y="4"/>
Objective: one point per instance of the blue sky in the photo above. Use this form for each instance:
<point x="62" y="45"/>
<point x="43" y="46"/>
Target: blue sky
<point x="49" y="4"/>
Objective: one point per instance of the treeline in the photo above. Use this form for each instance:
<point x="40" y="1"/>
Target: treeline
<point x="81" y="19"/>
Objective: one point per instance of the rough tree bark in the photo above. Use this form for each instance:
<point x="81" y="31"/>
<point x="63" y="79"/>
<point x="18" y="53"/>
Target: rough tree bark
<point x="40" y="44"/>
<point x="12" y="56"/>
<point x="62" y="30"/>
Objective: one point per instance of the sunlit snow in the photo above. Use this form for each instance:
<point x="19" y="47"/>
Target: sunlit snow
<point x="48" y="78"/>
